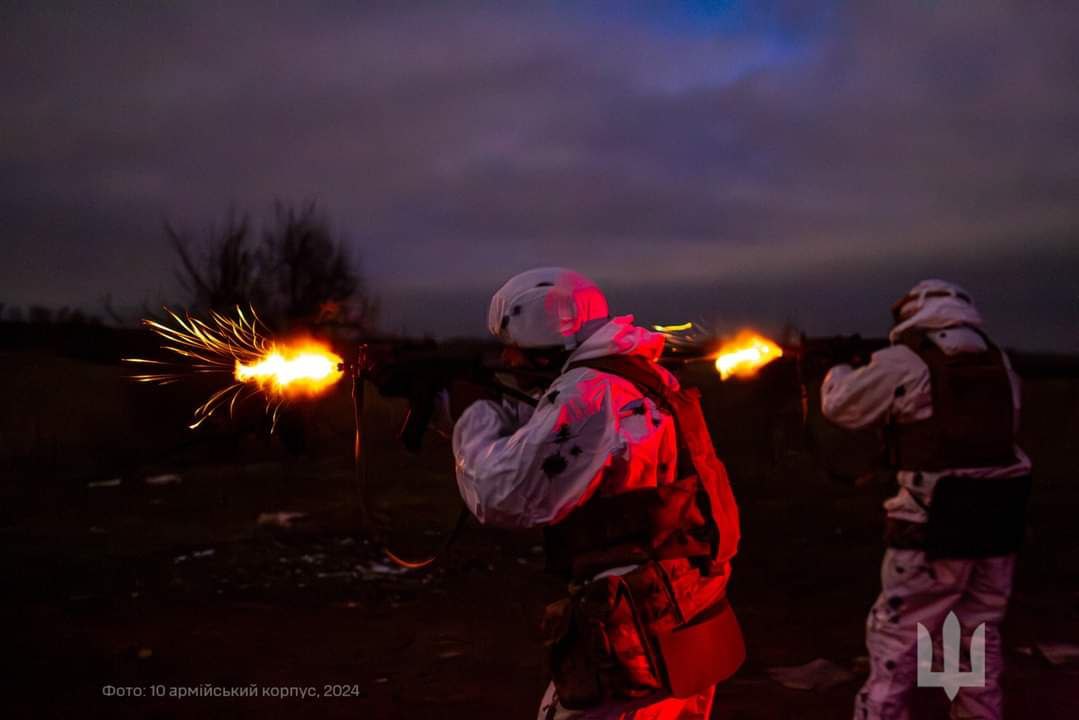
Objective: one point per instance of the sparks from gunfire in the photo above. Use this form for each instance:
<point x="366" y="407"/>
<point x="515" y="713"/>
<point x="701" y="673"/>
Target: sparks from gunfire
<point x="241" y="349"/>
<point x="747" y="353"/>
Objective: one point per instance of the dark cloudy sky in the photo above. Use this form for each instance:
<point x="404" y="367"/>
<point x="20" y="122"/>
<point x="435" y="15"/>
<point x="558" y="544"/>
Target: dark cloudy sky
<point x="726" y="161"/>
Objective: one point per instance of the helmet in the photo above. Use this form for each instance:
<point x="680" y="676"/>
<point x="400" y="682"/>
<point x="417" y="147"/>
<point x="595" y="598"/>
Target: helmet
<point x="934" y="304"/>
<point x="929" y="292"/>
<point x="546" y="308"/>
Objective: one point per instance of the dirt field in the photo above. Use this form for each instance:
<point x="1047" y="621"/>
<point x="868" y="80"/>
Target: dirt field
<point x="178" y="586"/>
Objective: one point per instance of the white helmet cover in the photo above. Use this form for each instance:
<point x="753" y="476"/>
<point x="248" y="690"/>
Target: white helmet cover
<point x="934" y="304"/>
<point x="546" y="307"/>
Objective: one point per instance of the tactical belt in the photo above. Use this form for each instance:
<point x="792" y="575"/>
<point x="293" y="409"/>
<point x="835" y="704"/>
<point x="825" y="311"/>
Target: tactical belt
<point x="624" y="637"/>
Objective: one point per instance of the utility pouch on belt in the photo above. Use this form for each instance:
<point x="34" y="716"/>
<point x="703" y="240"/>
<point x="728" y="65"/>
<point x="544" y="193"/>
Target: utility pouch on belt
<point x="597" y="648"/>
<point x="977" y="517"/>
<point x="572" y="641"/>
<point x="623" y="637"/>
<point x="968" y="518"/>
<point x="704" y="652"/>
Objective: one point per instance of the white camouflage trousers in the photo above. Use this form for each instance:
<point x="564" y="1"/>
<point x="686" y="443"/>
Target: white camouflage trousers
<point x="915" y="590"/>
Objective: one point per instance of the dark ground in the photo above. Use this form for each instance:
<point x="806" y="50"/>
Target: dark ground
<point x="179" y="585"/>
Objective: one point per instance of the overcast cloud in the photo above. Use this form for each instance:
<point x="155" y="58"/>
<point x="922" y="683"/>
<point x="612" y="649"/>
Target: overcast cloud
<point x="735" y="163"/>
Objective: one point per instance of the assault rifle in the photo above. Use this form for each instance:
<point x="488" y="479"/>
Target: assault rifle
<point x="421" y="371"/>
<point x="817" y="355"/>
<point x="425" y="371"/>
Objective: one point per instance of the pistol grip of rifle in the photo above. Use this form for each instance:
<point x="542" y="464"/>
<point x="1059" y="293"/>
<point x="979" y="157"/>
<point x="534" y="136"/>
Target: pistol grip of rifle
<point x="420" y="411"/>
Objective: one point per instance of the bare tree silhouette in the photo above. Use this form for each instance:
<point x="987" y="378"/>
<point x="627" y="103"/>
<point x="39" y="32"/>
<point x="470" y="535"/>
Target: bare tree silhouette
<point x="224" y="274"/>
<point x="307" y="276"/>
<point x="299" y="275"/>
